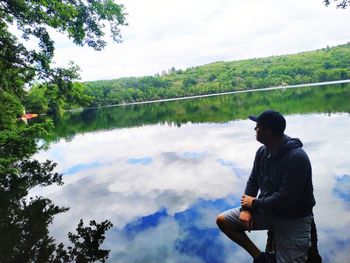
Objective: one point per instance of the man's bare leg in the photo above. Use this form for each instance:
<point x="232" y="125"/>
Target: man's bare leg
<point x="238" y="237"/>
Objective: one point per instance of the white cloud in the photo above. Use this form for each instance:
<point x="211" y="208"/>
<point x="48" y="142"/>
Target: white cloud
<point x="184" y="168"/>
<point x="162" y="34"/>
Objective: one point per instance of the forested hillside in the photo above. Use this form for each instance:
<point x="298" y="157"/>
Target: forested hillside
<point x="330" y="63"/>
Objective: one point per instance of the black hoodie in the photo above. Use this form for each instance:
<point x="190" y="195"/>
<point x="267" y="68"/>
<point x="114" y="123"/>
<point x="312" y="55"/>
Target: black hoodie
<point x="284" y="180"/>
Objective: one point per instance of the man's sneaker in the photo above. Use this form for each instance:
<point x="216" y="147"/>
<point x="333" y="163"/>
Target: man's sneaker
<point x="265" y="258"/>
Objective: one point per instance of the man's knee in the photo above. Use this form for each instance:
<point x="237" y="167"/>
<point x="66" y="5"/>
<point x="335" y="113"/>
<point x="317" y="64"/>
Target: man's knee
<point x="220" y="220"/>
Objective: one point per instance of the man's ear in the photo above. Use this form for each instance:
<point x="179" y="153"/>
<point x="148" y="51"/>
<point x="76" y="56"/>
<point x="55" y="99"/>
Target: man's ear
<point x="267" y="131"/>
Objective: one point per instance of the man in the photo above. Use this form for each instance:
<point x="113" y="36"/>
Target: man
<point x="282" y="174"/>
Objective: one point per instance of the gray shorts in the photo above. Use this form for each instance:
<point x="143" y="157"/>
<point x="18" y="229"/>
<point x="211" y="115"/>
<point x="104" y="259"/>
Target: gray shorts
<point x="292" y="235"/>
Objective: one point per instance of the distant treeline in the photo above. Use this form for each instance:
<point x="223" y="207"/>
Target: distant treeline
<point x="314" y="66"/>
<point x="217" y="109"/>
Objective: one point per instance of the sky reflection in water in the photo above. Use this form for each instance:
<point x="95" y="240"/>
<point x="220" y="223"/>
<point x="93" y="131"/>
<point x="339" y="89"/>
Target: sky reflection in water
<point x="162" y="186"/>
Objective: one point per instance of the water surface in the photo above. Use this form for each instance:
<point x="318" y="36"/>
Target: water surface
<point x="162" y="172"/>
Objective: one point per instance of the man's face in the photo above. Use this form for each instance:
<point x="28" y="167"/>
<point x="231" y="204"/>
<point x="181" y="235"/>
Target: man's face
<point x="261" y="133"/>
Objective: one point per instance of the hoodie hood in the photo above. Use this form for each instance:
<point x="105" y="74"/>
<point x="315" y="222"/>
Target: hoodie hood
<point x="289" y="144"/>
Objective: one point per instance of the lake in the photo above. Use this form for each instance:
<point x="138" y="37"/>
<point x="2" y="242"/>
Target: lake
<point x="162" y="172"/>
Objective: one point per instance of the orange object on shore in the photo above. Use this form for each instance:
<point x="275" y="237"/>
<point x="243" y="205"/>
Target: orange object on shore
<point x="29" y="115"/>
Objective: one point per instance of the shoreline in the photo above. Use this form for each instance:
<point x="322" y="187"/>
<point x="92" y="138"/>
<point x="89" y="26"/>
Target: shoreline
<point x="217" y="94"/>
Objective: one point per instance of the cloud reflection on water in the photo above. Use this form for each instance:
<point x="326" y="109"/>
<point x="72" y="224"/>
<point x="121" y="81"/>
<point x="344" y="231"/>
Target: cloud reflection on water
<point x="162" y="186"/>
<point x="342" y="188"/>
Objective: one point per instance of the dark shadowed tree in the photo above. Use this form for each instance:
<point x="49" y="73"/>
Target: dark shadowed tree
<point x="339" y="3"/>
<point x="24" y="235"/>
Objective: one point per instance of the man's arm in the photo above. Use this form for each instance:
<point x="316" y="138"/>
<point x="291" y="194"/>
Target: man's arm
<point x="252" y="186"/>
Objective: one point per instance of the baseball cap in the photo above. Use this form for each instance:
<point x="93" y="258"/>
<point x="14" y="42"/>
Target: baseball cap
<point x="272" y="120"/>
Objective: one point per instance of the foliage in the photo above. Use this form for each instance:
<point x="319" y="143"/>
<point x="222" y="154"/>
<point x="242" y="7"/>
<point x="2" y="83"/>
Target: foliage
<point x="36" y="100"/>
<point x="87" y="242"/>
<point x="340" y="3"/>
<point x="49" y="98"/>
<point x="63" y="91"/>
<point x="314" y="66"/>
<point x="10" y="109"/>
<point x="82" y="21"/>
<point x="24" y="235"/>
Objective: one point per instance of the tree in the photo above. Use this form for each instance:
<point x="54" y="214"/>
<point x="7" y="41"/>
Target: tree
<point x="24" y="235"/>
<point x="190" y="81"/>
<point x="10" y="109"/>
<point x="340" y="3"/>
<point x="81" y="21"/>
<point x="36" y="101"/>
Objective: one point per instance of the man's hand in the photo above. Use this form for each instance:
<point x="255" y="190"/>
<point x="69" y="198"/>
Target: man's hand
<point x="247" y="201"/>
<point x="246" y="219"/>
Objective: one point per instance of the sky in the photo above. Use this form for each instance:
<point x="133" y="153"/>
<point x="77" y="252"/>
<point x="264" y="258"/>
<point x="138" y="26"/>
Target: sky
<point x="164" y="33"/>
